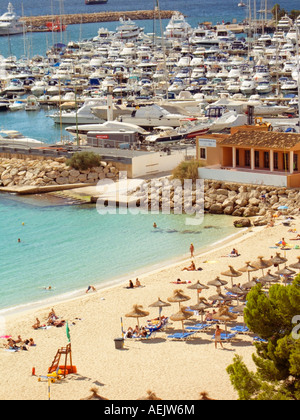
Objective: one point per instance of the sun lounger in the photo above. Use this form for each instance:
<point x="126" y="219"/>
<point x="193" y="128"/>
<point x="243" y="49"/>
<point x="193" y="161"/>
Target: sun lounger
<point x="261" y="340"/>
<point x="226" y="336"/>
<point x="198" y="327"/>
<point x="240" y="329"/>
<point x="181" y="336"/>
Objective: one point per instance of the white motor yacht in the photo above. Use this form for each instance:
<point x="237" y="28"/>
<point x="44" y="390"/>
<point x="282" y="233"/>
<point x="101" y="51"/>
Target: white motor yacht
<point x="83" y="115"/>
<point x="285" y="24"/>
<point x="128" y="30"/>
<point x="263" y="87"/>
<point x="290" y="86"/>
<point x="178" y="27"/>
<point x="16" y="138"/>
<point x="153" y="116"/>
<point x="247" y="87"/>
<point x="10" y="24"/>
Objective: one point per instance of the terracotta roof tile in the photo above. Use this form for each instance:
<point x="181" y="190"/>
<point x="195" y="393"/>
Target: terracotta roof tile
<point x="270" y="140"/>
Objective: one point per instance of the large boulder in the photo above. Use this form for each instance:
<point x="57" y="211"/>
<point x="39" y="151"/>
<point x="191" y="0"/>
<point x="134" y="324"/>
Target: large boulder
<point x="242" y="223"/>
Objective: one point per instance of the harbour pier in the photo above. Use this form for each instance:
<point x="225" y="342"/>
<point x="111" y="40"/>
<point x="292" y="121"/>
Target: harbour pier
<point x="38" y="23"/>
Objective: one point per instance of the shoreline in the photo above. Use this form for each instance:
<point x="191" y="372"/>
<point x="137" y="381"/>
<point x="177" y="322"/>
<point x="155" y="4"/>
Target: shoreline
<point x="94" y="321"/>
<point x="117" y="282"/>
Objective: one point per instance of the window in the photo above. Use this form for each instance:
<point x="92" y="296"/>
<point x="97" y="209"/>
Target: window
<point x="203" y="153"/>
<point x="285" y="161"/>
<point x="247" y="158"/>
<point x="256" y="158"/>
<point x="266" y="160"/>
<point x="237" y="157"/>
<point x="295" y="162"/>
<point x="275" y="160"/>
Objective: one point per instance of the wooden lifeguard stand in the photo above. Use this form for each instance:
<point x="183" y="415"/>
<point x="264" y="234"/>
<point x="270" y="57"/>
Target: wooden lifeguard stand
<point x="66" y="368"/>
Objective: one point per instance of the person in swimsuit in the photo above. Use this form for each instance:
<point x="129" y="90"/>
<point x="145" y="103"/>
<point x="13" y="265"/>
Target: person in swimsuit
<point x="218" y="336"/>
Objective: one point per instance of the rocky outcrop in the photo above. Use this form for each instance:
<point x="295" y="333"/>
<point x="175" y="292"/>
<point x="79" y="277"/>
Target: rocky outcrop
<point x="27" y="172"/>
<point x="242" y="201"/>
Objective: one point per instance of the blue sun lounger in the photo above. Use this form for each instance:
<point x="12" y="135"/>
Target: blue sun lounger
<point x="240" y="329"/>
<point x="181" y="336"/>
<point x="198" y="327"/>
<point x="225" y="336"/>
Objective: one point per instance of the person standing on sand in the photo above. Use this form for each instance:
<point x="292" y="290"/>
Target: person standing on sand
<point x="192" y="249"/>
<point x="218" y="336"/>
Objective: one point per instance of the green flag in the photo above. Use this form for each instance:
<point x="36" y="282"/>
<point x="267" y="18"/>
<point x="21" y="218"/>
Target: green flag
<point x="68" y="332"/>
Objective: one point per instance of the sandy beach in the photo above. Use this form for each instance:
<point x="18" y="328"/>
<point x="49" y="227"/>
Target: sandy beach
<point x="174" y="370"/>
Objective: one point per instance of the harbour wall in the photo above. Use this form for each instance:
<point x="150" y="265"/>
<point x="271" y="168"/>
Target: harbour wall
<point x="36" y="23"/>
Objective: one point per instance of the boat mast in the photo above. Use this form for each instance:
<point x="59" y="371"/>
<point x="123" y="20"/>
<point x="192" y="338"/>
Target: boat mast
<point x="163" y="47"/>
<point x="298" y="72"/>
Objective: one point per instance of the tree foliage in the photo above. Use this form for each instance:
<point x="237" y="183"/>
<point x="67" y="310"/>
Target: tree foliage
<point x="187" y="170"/>
<point x="84" y="160"/>
<point x="271" y="316"/>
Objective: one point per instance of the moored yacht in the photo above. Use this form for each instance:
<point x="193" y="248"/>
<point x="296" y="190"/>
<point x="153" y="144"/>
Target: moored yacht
<point x="10" y="24"/>
<point x="128" y="30"/>
<point x="178" y="27"/>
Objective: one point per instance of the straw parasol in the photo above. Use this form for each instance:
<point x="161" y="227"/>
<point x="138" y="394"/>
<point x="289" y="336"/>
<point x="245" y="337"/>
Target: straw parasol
<point x="182" y="316"/>
<point x="250" y="284"/>
<point x="217" y="282"/>
<point x="269" y="278"/>
<point x="248" y="268"/>
<point x="220" y="297"/>
<point x="178" y="296"/>
<point x="198" y="286"/>
<point x="278" y="259"/>
<point x="237" y="292"/>
<point x="223" y="314"/>
<point x="150" y="396"/>
<point x="137" y="312"/>
<point x="232" y="273"/>
<point x="286" y="272"/>
<point x="200" y="307"/>
<point x="94" y="395"/>
<point x="159" y="304"/>
<point x="296" y="265"/>
<point x="262" y="264"/>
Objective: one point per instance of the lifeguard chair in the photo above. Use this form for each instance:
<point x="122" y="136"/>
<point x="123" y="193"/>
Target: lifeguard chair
<point x="65" y="369"/>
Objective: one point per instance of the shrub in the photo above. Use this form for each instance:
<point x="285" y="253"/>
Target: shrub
<point x="187" y="170"/>
<point x="84" y="160"/>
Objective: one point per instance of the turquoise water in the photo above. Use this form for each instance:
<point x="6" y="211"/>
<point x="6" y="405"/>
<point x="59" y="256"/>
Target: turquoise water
<point x="70" y="247"/>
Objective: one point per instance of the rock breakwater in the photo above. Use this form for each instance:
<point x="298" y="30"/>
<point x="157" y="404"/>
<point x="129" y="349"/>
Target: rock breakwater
<point x="50" y="172"/>
<point x="35" y="23"/>
<point x="239" y="200"/>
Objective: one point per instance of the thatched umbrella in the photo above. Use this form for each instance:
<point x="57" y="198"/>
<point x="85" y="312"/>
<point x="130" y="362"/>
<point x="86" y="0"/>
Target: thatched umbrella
<point x="159" y="304"/>
<point x="218" y="283"/>
<point x="223" y="314"/>
<point x="200" y="307"/>
<point x="198" y="286"/>
<point x="232" y="273"/>
<point x="296" y="265"/>
<point x="220" y="297"/>
<point x="94" y="396"/>
<point x="178" y="296"/>
<point x="248" y="268"/>
<point x="286" y="272"/>
<point x="237" y="292"/>
<point x="250" y="284"/>
<point x="269" y="278"/>
<point x="278" y="259"/>
<point x="150" y="396"/>
<point x="262" y="264"/>
<point x="182" y="316"/>
<point x="137" y="312"/>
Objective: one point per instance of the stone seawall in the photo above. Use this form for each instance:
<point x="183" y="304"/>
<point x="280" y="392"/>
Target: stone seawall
<point x="36" y="22"/>
<point x="50" y="172"/>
